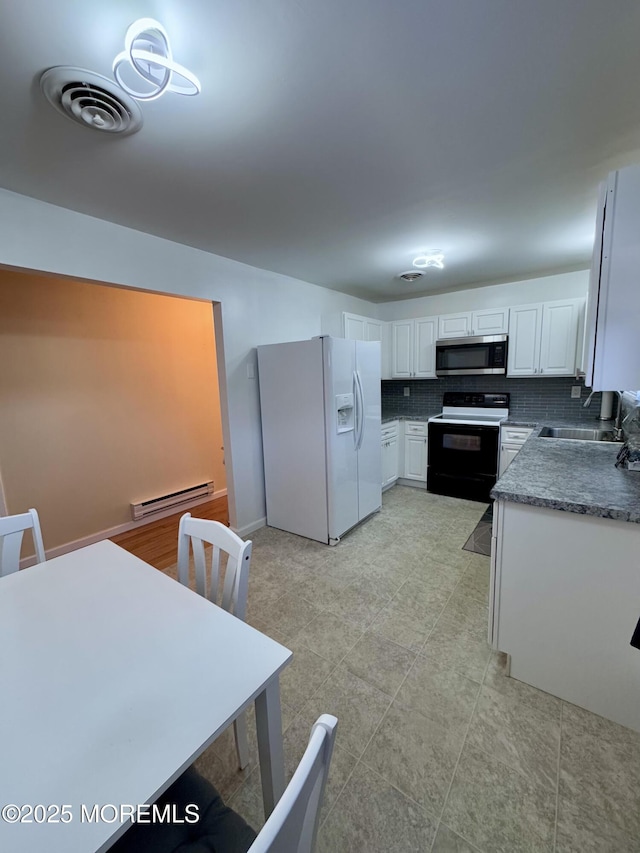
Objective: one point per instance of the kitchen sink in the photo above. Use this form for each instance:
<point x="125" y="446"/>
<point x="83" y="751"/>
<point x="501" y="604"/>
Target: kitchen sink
<point x="582" y="434"/>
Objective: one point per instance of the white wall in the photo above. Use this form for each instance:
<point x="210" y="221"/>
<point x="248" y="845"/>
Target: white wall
<point x="562" y="286"/>
<point x="257" y="307"/>
<point x="103" y="385"/>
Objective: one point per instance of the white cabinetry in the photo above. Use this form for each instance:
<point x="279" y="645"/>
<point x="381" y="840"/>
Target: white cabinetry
<point x="424" y="351"/>
<point x="488" y="321"/>
<point x="561" y="322"/>
<point x="525" y="325"/>
<point x="402" y="333"/>
<point x="358" y="328"/>
<point x="454" y="325"/>
<point x="612" y="342"/>
<point x="564" y="610"/>
<point x="390" y="453"/>
<point x="413" y="351"/>
<point x="511" y="441"/>
<point x="415" y="450"/>
<point x="543" y="338"/>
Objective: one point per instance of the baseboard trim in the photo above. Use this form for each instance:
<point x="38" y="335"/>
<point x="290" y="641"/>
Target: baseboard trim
<point x="120" y="528"/>
<point x="414" y="484"/>
<point x="249" y="528"/>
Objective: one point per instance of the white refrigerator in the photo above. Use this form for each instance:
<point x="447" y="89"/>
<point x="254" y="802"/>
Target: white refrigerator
<point x="320" y="406"/>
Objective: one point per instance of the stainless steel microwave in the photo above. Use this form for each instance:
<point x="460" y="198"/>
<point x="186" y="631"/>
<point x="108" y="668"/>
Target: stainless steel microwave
<point x="470" y="356"/>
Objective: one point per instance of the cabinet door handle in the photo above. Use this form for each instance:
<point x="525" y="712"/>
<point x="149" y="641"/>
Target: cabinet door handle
<point x="541" y="370"/>
<point x="535" y="369"/>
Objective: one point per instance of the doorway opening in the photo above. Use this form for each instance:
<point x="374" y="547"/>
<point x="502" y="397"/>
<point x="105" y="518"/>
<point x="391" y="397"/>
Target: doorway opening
<point x="108" y="396"/>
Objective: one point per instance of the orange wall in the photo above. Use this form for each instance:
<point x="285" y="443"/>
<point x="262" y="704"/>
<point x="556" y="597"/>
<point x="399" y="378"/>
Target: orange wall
<point x="107" y="396"/>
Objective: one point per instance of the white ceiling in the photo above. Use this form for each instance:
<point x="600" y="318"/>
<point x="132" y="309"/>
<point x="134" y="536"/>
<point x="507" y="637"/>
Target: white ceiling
<point x="335" y="139"/>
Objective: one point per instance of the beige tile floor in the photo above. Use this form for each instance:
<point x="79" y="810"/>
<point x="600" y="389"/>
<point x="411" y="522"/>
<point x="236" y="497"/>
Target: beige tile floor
<point x="437" y="750"/>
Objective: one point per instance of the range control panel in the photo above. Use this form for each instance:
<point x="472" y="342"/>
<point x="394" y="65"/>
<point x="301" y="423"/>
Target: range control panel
<point x="482" y="401"/>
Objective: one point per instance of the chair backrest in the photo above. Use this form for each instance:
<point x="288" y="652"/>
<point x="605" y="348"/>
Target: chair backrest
<point x="12" y="529"/>
<point x="194" y="532"/>
<point x="293" y="825"/>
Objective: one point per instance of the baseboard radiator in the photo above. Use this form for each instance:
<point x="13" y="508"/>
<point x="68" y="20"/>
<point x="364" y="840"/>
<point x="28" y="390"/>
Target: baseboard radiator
<point x="175" y="499"/>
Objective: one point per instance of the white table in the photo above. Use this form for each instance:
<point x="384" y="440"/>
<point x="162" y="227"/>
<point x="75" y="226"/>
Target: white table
<point x="113" y="679"/>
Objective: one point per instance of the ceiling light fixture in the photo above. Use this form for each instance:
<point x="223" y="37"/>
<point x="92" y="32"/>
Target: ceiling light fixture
<point x="148" y="53"/>
<point x="431" y="259"/>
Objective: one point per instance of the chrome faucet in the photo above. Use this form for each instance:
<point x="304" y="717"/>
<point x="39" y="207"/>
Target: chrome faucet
<point x="617" y="427"/>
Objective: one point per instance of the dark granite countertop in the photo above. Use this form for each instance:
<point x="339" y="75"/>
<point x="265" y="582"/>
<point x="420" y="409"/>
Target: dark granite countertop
<point x="387" y="417"/>
<point x="573" y="476"/>
<point x="521" y="422"/>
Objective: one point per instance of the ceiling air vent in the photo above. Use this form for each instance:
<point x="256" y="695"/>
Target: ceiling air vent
<point x="91" y="100"/>
<point x="411" y="275"/>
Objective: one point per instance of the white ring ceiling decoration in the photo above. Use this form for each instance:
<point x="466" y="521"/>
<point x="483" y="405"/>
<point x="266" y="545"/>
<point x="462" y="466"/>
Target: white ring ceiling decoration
<point x="432" y="259"/>
<point x="147" y="51"/>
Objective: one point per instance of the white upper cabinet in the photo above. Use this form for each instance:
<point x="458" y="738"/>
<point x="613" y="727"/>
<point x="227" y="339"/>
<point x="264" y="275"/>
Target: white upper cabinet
<point x="612" y="339"/>
<point x="402" y="336"/>
<point x="525" y="327"/>
<point x="454" y="325"/>
<point x="561" y="324"/>
<point x="425" y="347"/>
<point x="358" y="328"/>
<point x="413" y="350"/>
<point x="490" y="321"/>
<point x="543" y="338"/>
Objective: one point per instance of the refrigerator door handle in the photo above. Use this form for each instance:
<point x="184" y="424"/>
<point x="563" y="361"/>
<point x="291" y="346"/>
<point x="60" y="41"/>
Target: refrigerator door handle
<point x="360" y="410"/>
<point x="356" y="405"/>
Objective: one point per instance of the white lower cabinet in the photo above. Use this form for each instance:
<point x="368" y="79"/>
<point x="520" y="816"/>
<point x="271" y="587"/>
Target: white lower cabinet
<point x="564" y="610"/>
<point x="390" y="454"/>
<point x="415" y="451"/>
<point x="511" y="441"/>
<point x="508" y="453"/>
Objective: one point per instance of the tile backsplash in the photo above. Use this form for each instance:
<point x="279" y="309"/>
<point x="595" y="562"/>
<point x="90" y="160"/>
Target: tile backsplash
<point x="531" y="399"/>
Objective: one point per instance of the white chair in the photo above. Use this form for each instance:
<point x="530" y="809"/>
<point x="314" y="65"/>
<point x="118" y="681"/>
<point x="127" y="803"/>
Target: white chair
<point x="293" y="825"/>
<point x="291" y="828"/>
<point x="12" y="529"/>
<point x="193" y="533"/>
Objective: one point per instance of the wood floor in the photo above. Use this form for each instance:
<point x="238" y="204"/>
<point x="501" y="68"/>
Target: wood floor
<point x="157" y="542"/>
